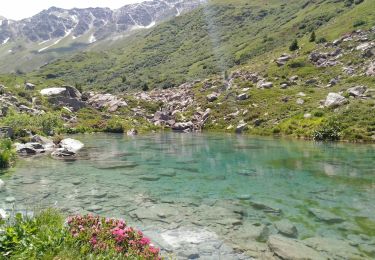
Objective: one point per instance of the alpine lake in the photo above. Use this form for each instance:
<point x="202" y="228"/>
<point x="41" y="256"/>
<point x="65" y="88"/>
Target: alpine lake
<point x="211" y="196"/>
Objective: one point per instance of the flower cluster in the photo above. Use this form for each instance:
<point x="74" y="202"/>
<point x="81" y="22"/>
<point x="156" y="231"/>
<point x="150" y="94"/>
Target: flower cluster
<point x="103" y="234"/>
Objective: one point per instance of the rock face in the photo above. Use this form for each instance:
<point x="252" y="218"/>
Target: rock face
<point x="334" y="100"/>
<point x="65" y="96"/>
<point x="98" y="23"/>
<point x="291" y="249"/>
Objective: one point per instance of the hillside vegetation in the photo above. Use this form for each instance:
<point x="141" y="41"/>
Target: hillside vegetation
<point x="207" y="41"/>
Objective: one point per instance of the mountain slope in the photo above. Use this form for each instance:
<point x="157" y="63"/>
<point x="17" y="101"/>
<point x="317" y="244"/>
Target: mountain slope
<point x="31" y="42"/>
<point x="206" y="41"/>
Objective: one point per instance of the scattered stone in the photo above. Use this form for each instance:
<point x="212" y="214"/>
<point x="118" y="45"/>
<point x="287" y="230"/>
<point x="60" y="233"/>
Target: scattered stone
<point x="3" y="214"/>
<point x="29" y="86"/>
<point x="334" y="100"/>
<point x="307" y="115"/>
<point x="291" y="249"/>
<point x="212" y="97"/>
<point x="300" y="101"/>
<point x="242" y="96"/>
<point x="357" y="91"/>
<point x="283" y="59"/>
<point x="266" y="85"/>
<point x="325" y="216"/>
<point x="286" y="228"/>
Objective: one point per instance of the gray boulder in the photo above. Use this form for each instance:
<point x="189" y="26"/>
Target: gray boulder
<point x="183" y="127"/>
<point x="48" y="92"/>
<point x="46" y="142"/>
<point x="71" y="145"/>
<point x="334" y="100"/>
<point x="266" y="85"/>
<point x="132" y="132"/>
<point x="357" y="91"/>
<point x="212" y="97"/>
<point x="63" y="153"/>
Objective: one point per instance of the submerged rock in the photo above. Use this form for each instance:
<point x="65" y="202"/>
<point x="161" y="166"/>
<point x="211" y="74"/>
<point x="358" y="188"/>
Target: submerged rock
<point x="291" y="249"/>
<point x="286" y="228"/>
<point x="2" y="185"/>
<point x="325" y="216"/>
<point x="338" y="249"/>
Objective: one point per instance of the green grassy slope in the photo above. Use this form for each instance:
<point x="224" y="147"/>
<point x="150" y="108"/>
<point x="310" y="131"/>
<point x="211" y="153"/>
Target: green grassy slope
<point x="207" y="41"/>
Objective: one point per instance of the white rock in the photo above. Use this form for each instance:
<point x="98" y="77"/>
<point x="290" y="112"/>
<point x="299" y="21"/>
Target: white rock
<point x="52" y="91"/>
<point x="3" y="214"/>
<point x="2" y="184"/>
<point x="71" y="145"/>
<point x="334" y="100"/>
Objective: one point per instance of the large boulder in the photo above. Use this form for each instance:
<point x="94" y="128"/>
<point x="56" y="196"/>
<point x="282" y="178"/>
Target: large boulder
<point x="291" y="249"/>
<point x="334" y="100"/>
<point x="71" y="145"/>
<point x="325" y="216"/>
<point x="48" y="92"/>
<point x="65" y="96"/>
<point x="282" y="60"/>
<point x="46" y="142"/>
<point x="183" y="127"/>
<point x="242" y="96"/>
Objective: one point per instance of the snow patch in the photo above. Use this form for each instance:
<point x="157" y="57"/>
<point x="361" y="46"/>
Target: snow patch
<point x="67" y="33"/>
<point x="43" y="42"/>
<point x="6" y="40"/>
<point x="92" y="39"/>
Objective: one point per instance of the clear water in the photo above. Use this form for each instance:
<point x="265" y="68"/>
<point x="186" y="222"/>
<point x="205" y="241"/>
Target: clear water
<point x="197" y="178"/>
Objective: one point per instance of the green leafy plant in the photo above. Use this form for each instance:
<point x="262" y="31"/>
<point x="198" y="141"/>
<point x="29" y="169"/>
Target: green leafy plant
<point x="331" y="131"/>
<point x="294" y="46"/>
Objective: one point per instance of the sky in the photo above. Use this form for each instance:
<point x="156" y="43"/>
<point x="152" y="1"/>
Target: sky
<point x="19" y="9"/>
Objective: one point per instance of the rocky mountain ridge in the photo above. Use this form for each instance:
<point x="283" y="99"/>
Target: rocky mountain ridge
<point x="56" y="23"/>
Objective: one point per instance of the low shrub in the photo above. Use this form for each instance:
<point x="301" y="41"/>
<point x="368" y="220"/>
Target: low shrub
<point x="49" y="236"/>
<point x="331" y="131"/>
<point x="7" y="154"/>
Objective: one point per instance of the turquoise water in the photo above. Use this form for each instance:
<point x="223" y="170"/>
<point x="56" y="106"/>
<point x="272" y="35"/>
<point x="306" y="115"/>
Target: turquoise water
<point x="196" y="178"/>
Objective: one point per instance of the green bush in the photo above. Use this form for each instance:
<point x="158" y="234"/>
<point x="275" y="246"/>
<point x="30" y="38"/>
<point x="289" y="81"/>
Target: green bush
<point x="331" y="131"/>
<point x="7" y="154"/>
<point x="294" y="46"/>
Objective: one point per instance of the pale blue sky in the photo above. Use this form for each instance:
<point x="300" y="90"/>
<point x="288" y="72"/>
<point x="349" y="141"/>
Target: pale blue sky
<point x="19" y="9"/>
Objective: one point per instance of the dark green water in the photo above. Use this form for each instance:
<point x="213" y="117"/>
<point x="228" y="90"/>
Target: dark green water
<point x="192" y="174"/>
